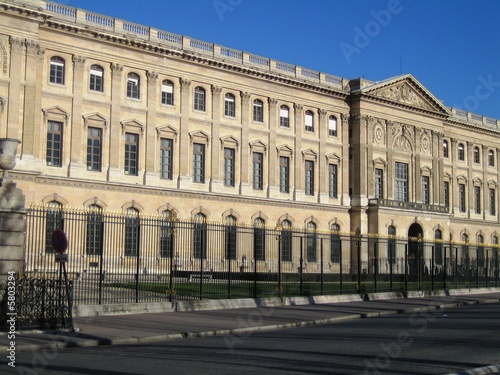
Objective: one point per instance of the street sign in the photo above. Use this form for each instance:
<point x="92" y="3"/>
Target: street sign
<point x="62" y="258"/>
<point x="59" y="241"/>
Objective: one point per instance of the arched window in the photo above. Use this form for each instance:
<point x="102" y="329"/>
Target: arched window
<point x="95" y="226"/>
<point x="96" y="78"/>
<point x="132" y="232"/>
<point x="309" y="121"/>
<point x="259" y="239"/>
<point x="446" y="150"/>
<point x="284" y="116"/>
<point x="258" y="110"/>
<point x="335" y="244"/>
<point x="480" y="251"/>
<point x="438" y="247"/>
<point x="477" y="156"/>
<point x="286" y="241"/>
<point x="231" y="237"/>
<point x="200" y="236"/>
<point x="229" y="105"/>
<point x="133" y="86"/>
<point x="461" y="152"/>
<point x="199" y="99"/>
<point x="311" y="242"/>
<point x="491" y="158"/>
<point x="167" y="92"/>
<point x="53" y="221"/>
<point x="391" y="244"/>
<point x="167" y="234"/>
<point x="332" y="126"/>
<point x="56" y="74"/>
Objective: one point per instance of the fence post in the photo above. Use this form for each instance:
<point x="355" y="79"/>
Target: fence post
<point x="321" y="265"/>
<point x="301" y="264"/>
<point x="341" y="274"/>
<point x="375" y="264"/>
<point x="406" y="267"/>
<point x="433" y="249"/>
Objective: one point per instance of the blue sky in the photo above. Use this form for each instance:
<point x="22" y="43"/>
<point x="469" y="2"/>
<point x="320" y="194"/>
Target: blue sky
<point x="451" y="47"/>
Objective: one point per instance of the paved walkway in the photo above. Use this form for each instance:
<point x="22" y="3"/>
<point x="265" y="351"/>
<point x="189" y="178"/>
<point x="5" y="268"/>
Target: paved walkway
<point x="135" y="328"/>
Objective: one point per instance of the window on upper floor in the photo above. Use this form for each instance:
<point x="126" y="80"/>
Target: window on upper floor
<point x="229" y="166"/>
<point x="166" y="158"/>
<point x="461" y="152"/>
<point x="332" y="126"/>
<point x="133" y="86"/>
<point x="56" y="75"/>
<point x="477" y="155"/>
<point x="54" y="143"/>
<point x="401" y="175"/>
<point x="446" y="150"/>
<point x="199" y="162"/>
<point x="491" y="158"/>
<point x="199" y="99"/>
<point x="167" y="92"/>
<point x="284" y="116"/>
<point x="229" y="105"/>
<point x="309" y="121"/>
<point x="258" y="110"/>
<point x="96" y="78"/>
<point x="131" y="154"/>
<point x="309" y="177"/>
<point x="94" y="149"/>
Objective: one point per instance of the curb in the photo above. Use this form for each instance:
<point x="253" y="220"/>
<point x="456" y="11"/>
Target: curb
<point x="57" y="343"/>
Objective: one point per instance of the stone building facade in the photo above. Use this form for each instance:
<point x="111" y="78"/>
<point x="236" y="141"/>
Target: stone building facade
<point x="125" y="117"/>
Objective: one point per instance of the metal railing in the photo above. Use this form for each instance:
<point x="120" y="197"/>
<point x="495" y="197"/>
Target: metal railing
<point x="118" y="258"/>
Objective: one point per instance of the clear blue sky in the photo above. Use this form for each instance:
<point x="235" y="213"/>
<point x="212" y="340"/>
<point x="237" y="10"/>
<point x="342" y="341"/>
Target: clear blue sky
<point x="451" y="47"/>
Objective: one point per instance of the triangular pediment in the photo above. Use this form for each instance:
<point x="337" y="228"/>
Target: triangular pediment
<point x="406" y="90"/>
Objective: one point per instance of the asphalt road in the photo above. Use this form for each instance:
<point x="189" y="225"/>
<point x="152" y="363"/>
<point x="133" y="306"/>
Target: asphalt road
<point x="436" y="342"/>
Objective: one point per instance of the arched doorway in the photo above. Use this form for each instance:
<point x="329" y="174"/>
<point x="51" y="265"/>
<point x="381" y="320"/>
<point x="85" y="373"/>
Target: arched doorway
<point x="415" y="252"/>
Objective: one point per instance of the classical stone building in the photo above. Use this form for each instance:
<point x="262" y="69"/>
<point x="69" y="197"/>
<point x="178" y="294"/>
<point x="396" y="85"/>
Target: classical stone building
<point x="126" y="117"/>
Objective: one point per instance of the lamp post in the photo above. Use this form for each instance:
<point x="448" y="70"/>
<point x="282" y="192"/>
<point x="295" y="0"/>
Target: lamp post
<point x="357" y="236"/>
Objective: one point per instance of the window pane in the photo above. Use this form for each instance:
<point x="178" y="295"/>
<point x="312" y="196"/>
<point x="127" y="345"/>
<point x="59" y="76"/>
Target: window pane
<point x="94" y="149"/>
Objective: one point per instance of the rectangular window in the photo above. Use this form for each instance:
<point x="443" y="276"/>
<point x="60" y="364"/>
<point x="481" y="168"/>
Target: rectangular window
<point x="200" y="240"/>
<point x="309" y="177"/>
<point x="258" y="111"/>
<point x="57" y="71"/>
<point x="229" y="106"/>
<point x="229" y="166"/>
<point x="132" y="228"/>
<point x="131" y="154"/>
<point x="94" y="233"/>
<point x="133" y="87"/>
<point x="96" y="79"/>
<point x="461" y="197"/>
<point x="332" y="180"/>
<point x="379" y="183"/>
<point x="284" y="120"/>
<point x="199" y="99"/>
<point x="54" y="143"/>
<point x="257" y="170"/>
<point x="167" y="93"/>
<point x="493" y="205"/>
<point x="199" y="163"/>
<point x="309" y="122"/>
<point x="477" y="199"/>
<point x="425" y="190"/>
<point x="401" y="182"/>
<point x="94" y="149"/>
<point x="166" y="146"/>
<point x="446" y="193"/>
<point x="284" y="174"/>
<point x="286" y="245"/>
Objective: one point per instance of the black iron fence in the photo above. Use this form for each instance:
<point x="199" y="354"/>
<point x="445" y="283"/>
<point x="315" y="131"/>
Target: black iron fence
<point x="119" y="258"/>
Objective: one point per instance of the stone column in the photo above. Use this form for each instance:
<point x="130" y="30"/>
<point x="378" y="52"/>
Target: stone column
<point x="12" y="230"/>
<point x="298" y="162"/>
<point x="16" y="75"/>
<point x="344" y="162"/>
<point x="322" y="169"/>
<point x="272" y="185"/>
<point x="246" y="156"/>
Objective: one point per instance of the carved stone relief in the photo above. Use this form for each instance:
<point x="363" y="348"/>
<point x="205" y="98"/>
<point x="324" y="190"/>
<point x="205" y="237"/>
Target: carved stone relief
<point x="379" y="133"/>
<point x="403" y="93"/>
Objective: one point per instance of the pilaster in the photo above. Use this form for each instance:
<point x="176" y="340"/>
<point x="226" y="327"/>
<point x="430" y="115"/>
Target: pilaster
<point x="298" y="175"/>
<point x="115" y="132"/>
<point x="216" y="178"/>
<point x="17" y="55"/>
<point x="78" y="137"/>
<point x="151" y="175"/>
<point x="322" y="189"/>
<point x="272" y="186"/>
<point x="245" y="154"/>
<point x="184" y="150"/>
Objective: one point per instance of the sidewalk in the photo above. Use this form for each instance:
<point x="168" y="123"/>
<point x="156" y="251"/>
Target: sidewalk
<point x="237" y="320"/>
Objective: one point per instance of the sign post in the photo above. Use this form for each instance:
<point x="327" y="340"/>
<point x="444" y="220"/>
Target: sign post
<point x="60" y="245"/>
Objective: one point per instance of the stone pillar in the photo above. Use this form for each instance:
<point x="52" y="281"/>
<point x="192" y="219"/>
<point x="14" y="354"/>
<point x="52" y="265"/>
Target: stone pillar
<point x="115" y="169"/>
<point x="12" y="226"/>
<point x="184" y="147"/>
<point x="296" y="178"/>
<point x="216" y="172"/>
<point x="322" y="189"/>
<point x="272" y="158"/>
<point x="151" y="173"/>
<point x="78" y="137"/>
<point x="246" y="155"/>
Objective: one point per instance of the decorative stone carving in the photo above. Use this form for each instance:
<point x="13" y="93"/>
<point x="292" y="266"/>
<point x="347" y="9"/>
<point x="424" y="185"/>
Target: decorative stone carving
<point x="379" y="134"/>
<point x="216" y="90"/>
<point x="425" y="143"/>
<point x="79" y="62"/>
<point x="185" y="83"/>
<point x="17" y="44"/>
<point x="404" y="93"/>
<point x="402" y="143"/>
<point x="116" y="70"/>
<point x="4" y="58"/>
<point x="272" y="102"/>
<point x="152" y="77"/>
